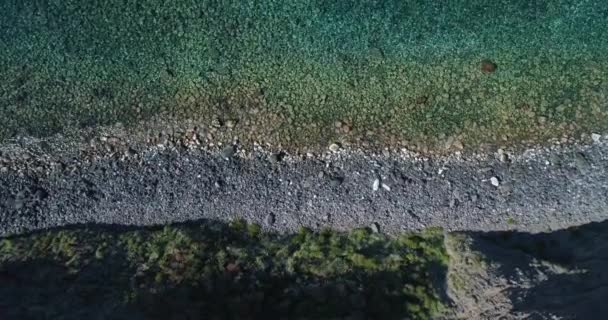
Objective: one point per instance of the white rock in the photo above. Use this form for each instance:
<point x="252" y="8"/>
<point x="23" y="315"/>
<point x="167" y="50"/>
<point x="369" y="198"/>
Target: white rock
<point x="334" y="147"/>
<point x="595" y="137"/>
<point x="376" y="185"/>
<point x="500" y="152"/>
<point x="375" y="227"/>
<point x="494" y="181"/>
<point x="386" y="187"/>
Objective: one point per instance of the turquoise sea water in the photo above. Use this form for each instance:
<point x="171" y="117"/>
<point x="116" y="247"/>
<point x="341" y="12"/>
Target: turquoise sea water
<point x="80" y="62"/>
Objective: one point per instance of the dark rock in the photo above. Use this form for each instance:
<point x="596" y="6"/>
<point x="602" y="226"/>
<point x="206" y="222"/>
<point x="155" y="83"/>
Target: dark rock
<point x="277" y="157"/>
<point x="40" y="194"/>
<point x="488" y="66"/>
<point x="336" y="181"/>
<point x="270" y="219"/>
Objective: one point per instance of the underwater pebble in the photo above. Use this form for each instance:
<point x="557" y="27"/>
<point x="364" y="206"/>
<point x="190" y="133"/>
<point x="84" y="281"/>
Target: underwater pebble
<point x="488" y="66"/>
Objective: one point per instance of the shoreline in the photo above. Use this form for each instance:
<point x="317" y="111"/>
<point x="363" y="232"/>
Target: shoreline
<point x="540" y="189"/>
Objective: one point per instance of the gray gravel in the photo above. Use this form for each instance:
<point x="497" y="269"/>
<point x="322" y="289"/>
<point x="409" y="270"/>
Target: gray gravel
<point x="539" y="190"/>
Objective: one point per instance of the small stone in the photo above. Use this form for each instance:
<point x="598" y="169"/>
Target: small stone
<point x="269" y="220"/>
<point x="458" y="145"/>
<point x="277" y="157"/>
<point x="474" y="197"/>
<point x="376" y="185"/>
<point x="216" y="122"/>
<point x="488" y="66"/>
<point x="307" y="184"/>
<point x="449" y="142"/>
<point x="375" y="227"/>
<point x="21" y="194"/>
<point x="581" y="161"/>
<point x="334" y="147"/>
<point x="338" y="124"/>
<point x="230" y="124"/>
<point x="502" y="156"/>
<point x="129" y="153"/>
<point x="422" y="99"/>
<point x="453" y="203"/>
<point x="40" y="194"/>
<point x="336" y="181"/>
<point x="228" y="152"/>
<point x="386" y="187"/>
<point x="595" y="137"/>
<point x="18" y="204"/>
<point x="542" y="120"/>
<point x="505" y="189"/>
<point x="494" y="181"/>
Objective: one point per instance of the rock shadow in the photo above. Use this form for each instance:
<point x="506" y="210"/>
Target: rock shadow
<point x="561" y="274"/>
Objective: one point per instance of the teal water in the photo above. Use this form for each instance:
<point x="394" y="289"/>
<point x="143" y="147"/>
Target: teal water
<point x="81" y="62"/>
<point x="194" y="34"/>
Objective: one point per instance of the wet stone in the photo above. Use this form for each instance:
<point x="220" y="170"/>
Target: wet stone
<point x="228" y="152"/>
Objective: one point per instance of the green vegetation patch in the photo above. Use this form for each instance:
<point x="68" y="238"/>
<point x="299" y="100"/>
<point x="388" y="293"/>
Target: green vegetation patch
<point x="219" y="271"/>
